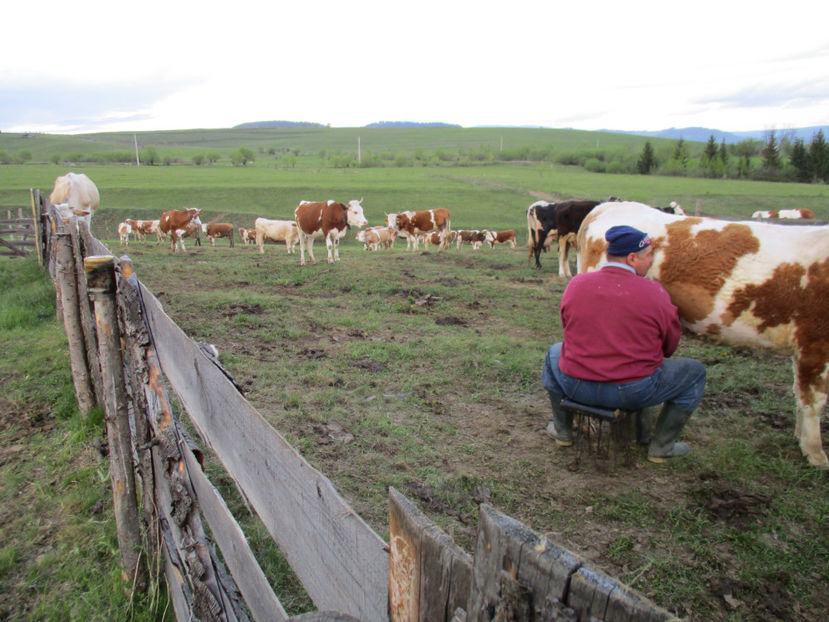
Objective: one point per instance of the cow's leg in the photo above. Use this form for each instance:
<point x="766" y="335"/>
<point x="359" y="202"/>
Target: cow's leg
<point x="563" y="264"/>
<point x="809" y="411"/>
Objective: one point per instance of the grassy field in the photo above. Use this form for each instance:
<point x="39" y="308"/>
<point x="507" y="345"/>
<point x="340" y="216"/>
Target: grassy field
<point x="421" y="371"/>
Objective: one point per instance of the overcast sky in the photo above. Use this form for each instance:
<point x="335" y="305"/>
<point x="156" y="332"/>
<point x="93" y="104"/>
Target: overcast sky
<point x="90" y="65"/>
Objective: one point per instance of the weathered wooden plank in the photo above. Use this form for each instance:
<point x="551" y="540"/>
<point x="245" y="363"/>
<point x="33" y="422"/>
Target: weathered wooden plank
<point x="442" y="573"/>
<point x="405" y="532"/>
<point x="341" y="562"/>
<point x="185" y="543"/>
<point x="504" y="544"/>
<point x="259" y="597"/>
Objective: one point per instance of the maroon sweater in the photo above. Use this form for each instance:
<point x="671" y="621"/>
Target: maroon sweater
<point x="618" y="326"/>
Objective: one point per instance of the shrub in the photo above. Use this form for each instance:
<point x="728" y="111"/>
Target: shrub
<point x="594" y="165"/>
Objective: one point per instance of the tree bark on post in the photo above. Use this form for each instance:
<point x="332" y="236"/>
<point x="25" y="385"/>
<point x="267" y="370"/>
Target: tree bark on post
<point x="100" y="273"/>
<point x="65" y="279"/>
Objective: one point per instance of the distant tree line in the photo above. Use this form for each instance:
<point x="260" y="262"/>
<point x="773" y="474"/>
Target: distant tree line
<point x="771" y="160"/>
<point x="777" y="159"/>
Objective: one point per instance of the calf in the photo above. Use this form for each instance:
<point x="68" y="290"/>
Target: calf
<point x="248" y="236"/>
<point x="277" y="231"/>
<point x="374" y="237"/>
<point x="436" y="240"/>
<point x="124" y="230"/>
<point x="743" y="283"/>
<point x="474" y="237"/>
<point x="329" y="220"/>
<point x="501" y="237"/>
<point x="215" y="230"/>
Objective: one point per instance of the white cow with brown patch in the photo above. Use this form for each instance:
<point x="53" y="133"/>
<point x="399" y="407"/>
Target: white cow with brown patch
<point x="743" y="283"/>
<point x="798" y="213"/>
<point x="277" y="231"/>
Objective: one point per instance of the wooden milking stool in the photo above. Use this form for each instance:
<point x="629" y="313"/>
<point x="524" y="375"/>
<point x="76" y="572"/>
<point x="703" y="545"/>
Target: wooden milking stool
<point x="588" y="422"/>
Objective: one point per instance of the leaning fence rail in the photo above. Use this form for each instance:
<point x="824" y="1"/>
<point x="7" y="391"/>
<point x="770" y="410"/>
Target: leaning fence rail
<point x="125" y="352"/>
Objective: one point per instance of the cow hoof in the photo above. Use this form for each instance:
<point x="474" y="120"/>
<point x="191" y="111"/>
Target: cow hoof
<point x="819" y="461"/>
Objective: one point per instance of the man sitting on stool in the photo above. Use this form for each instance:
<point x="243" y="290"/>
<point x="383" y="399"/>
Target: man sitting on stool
<point x="618" y="329"/>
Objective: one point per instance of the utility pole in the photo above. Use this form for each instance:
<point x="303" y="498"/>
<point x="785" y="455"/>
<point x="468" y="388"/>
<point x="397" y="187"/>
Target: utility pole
<point x="135" y="140"/>
<point x="359" y="153"/>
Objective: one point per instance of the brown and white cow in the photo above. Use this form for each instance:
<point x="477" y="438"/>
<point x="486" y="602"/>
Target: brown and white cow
<point x="74" y="194"/>
<point x="329" y="220"/>
<point x="411" y="224"/>
<point x="501" y="237"/>
<point x="140" y="228"/>
<point x="215" y="230"/>
<point x="784" y="213"/>
<point x="375" y="237"/>
<point x="743" y="283"/>
<point x="435" y="238"/>
<point x="248" y="236"/>
<point x="473" y="237"/>
<point x="276" y="231"/>
<point x="124" y="231"/>
<point x="174" y="220"/>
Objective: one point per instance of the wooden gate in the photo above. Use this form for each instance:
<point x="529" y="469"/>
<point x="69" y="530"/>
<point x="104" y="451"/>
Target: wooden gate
<point x="20" y="234"/>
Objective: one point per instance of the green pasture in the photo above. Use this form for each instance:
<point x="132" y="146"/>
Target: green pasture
<point x="427" y="364"/>
<point x="494" y="196"/>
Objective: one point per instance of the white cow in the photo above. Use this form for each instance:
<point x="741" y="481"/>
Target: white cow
<point x="124" y="231"/>
<point x="276" y="230"/>
<point x="74" y="194"/>
<point x="744" y="283"/>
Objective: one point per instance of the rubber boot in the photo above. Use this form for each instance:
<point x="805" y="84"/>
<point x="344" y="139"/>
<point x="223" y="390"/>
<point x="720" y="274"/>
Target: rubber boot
<point x="561" y="427"/>
<point x="644" y="420"/>
<point x="668" y="426"/>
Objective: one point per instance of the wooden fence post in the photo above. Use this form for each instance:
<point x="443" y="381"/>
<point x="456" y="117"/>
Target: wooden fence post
<point x="68" y="298"/>
<point x="100" y="271"/>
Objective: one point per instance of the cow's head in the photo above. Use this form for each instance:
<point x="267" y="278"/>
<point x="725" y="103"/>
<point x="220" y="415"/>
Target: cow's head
<point x="354" y="214"/>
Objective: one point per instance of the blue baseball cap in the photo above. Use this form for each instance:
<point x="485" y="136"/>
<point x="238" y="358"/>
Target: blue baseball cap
<point x="623" y="239"/>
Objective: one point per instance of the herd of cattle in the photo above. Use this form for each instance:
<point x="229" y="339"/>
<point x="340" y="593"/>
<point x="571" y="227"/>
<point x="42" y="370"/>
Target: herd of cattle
<point x="750" y="283"/>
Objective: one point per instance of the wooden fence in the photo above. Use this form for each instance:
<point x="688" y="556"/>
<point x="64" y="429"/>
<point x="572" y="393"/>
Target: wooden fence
<point x="125" y="352"/>
<point x="17" y="233"/>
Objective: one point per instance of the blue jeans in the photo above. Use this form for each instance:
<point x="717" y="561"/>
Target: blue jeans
<point x="679" y="381"/>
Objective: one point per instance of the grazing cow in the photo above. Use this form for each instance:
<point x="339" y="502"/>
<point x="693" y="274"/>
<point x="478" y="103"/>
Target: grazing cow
<point x="743" y="283"/>
<point x="124" y="230"/>
<point x="215" y="230"/>
<point x="785" y="213"/>
<point x="474" y="237"/>
<point x="673" y="208"/>
<point x="329" y="220"/>
<point x="177" y="219"/>
<point x="410" y="224"/>
<point x="501" y="237"/>
<point x="373" y="237"/>
<point x="277" y="231"/>
<point x="141" y="228"/>
<point x="74" y="194"/>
